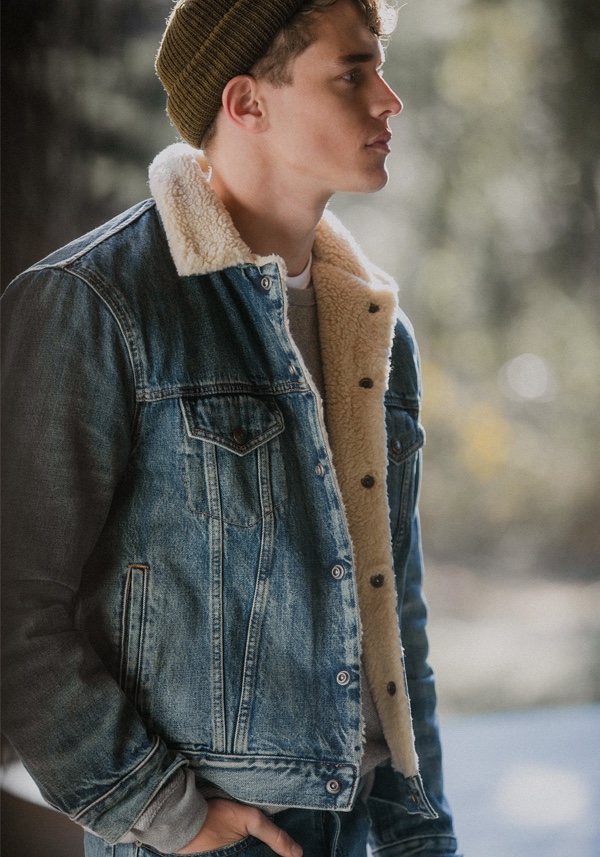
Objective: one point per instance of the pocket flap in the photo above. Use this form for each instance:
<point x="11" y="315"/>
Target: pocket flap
<point x="237" y="423"/>
<point x="405" y="434"/>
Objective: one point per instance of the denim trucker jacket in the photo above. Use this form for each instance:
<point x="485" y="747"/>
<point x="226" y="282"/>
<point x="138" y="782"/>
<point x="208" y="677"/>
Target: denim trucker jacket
<point x="180" y="584"/>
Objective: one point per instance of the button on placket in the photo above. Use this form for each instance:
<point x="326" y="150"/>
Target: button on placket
<point x="337" y="572"/>
<point x="320" y="470"/>
<point x="266" y="283"/>
<point x="343" y="678"/>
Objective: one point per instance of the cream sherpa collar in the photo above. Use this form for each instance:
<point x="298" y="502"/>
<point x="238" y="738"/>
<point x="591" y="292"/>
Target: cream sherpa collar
<point x="357" y="308"/>
<point x="201" y="244"/>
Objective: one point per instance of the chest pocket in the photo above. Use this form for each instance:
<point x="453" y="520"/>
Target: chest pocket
<point x="405" y="439"/>
<point x="234" y="465"/>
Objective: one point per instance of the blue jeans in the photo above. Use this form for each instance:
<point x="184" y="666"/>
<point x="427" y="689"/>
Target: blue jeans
<point x="321" y="834"/>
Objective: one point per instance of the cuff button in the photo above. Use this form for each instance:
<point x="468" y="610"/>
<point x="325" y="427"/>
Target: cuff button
<point x="334" y="787"/>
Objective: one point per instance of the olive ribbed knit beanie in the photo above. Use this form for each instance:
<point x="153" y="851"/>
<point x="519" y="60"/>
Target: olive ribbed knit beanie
<point x="206" y="43"/>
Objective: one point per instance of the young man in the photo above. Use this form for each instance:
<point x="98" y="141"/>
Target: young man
<point x="212" y="552"/>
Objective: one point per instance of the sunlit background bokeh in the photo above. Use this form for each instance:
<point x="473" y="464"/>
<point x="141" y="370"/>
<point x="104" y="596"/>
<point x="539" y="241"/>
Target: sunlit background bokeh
<point x="491" y="225"/>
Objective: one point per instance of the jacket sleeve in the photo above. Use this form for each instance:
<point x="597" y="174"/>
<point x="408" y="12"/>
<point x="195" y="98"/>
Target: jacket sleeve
<point x="68" y="421"/>
<point x="396" y="832"/>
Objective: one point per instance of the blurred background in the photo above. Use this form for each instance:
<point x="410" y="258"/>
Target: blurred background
<point x="491" y="225"/>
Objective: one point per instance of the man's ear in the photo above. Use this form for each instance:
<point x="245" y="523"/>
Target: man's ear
<point x="242" y="104"/>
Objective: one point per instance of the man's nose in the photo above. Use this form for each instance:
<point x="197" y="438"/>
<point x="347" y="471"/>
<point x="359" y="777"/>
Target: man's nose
<point x="388" y="102"/>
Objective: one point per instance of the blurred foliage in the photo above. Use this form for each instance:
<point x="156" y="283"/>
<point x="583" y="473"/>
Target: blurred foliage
<point x="490" y="223"/>
<point x="82" y="115"/>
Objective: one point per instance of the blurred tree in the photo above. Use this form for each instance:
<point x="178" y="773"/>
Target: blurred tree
<point x="78" y="95"/>
<point x="575" y="99"/>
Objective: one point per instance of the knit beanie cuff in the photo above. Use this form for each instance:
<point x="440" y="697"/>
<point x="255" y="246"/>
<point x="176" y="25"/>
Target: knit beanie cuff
<point x="206" y="44"/>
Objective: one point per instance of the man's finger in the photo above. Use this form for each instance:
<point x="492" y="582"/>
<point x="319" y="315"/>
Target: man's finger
<point x="276" y="838"/>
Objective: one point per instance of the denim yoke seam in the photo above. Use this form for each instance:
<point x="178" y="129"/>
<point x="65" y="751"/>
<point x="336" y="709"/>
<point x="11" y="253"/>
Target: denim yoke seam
<point x="267" y="538"/>
<point x="216" y="539"/>
<point x="116" y="305"/>
<point x="220" y="388"/>
<point x="410" y="471"/>
<point x="410" y="404"/>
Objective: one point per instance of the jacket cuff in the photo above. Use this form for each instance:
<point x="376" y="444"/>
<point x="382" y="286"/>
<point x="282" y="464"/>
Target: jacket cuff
<point x="173" y="817"/>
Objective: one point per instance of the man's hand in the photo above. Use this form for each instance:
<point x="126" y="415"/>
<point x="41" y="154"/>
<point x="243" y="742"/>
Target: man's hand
<point x="228" y="822"/>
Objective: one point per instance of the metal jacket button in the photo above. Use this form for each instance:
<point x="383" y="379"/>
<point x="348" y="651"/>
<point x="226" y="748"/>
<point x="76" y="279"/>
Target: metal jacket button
<point x="320" y="470"/>
<point x="337" y="572"/>
<point x="343" y="677"/>
<point x="333" y="787"/>
<point x="266" y="283"/>
<point x="367" y="481"/>
<point x="396" y="445"/>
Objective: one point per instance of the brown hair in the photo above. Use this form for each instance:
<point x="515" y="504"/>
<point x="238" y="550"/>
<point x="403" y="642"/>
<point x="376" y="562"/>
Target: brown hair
<point x="297" y="35"/>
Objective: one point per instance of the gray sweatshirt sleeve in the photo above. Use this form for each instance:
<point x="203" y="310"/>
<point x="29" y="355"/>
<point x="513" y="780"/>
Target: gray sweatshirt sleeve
<point x="173" y="817"/>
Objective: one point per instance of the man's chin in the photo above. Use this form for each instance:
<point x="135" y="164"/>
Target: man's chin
<point x="368" y="184"/>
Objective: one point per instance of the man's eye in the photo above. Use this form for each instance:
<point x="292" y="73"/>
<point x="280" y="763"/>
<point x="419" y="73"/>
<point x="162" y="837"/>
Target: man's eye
<point x="351" y="77"/>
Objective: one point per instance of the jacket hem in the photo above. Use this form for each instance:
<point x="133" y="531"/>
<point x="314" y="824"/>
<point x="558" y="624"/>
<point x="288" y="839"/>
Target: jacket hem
<point x="282" y="782"/>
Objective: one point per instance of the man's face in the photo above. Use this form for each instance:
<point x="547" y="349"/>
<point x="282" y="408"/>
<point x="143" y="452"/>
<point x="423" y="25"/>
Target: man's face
<point x="328" y="130"/>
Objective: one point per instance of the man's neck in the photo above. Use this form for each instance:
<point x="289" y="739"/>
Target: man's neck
<point x="270" y="218"/>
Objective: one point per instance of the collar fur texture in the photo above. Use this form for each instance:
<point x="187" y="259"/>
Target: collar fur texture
<point x="357" y="309"/>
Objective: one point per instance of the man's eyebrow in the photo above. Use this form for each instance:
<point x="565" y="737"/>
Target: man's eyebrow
<point x="357" y="59"/>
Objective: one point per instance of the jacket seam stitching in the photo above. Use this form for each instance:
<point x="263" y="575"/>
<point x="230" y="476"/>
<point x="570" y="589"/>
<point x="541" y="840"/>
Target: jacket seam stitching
<point x="425" y="837"/>
<point x="116" y="787"/>
<point x="126" y="329"/>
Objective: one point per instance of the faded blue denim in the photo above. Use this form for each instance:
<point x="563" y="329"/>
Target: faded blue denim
<point x="175" y="575"/>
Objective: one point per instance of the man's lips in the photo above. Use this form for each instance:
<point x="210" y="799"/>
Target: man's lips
<point x="381" y="143"/>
